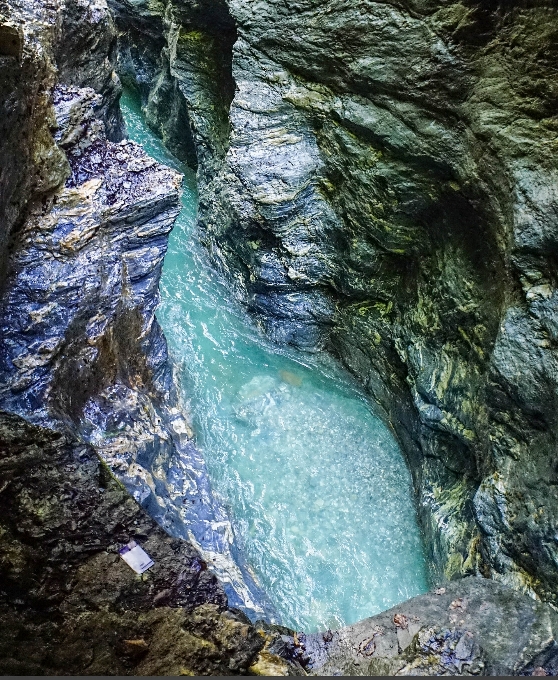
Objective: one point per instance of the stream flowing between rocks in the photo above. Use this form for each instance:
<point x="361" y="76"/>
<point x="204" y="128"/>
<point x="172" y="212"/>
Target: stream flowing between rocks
<point x="318" y="492"/>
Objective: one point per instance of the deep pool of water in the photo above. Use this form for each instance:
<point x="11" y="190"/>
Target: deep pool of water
<point x="315" y="484"/>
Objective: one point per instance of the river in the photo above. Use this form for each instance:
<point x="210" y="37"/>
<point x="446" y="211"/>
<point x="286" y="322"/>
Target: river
<point x="315" y="484"/>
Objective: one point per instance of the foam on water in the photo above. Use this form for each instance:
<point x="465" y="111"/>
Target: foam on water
<point x="317" y="488"/>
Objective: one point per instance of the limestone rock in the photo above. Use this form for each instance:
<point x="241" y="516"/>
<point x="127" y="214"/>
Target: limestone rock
<point x="86" y="57"/>
<point x="377" y="179"/>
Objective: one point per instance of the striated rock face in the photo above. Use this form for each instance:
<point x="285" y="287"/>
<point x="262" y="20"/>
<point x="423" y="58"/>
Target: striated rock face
<point x="378" y="181"/>
<point x="31" y="164"/>
<point x="84" y="274"/>
<point x="86" y="56"/>
<point x="178" y="54"/>
<point x="387" y="191"/>
<point x="32" y="55"/>
<point x="397" y="185"/>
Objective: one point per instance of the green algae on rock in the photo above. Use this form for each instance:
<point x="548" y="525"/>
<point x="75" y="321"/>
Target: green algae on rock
<point x="422" y="136"/>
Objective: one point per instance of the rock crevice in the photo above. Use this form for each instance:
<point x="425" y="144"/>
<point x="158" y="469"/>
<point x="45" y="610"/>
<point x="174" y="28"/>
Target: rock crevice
<point x="377" y="181"/>
<point x="87" y="391"/>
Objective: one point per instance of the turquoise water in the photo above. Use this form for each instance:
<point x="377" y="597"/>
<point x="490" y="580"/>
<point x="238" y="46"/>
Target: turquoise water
<point x="315" y="484"/>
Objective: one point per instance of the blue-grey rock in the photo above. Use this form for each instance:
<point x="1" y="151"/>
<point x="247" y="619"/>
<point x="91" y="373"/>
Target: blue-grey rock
<point x="83" y="359"/>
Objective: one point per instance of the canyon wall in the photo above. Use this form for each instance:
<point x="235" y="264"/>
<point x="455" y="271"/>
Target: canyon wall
<point x="382" y="185"/>
<point x="86" y="389"/>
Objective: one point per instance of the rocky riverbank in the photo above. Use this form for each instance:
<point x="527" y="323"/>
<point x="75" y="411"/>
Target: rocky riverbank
<point x="87" y="390"/>
<point x="473" y="626"/>
<point x="69" y="605"/>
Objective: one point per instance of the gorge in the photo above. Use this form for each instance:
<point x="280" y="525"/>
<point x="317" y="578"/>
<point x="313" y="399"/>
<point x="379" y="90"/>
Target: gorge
<point x="376" y="182"/>
<point x="319" y="494"/>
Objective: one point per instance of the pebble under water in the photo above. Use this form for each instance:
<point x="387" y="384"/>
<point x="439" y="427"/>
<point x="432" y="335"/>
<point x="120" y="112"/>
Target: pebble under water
<point x="317" y="489"/>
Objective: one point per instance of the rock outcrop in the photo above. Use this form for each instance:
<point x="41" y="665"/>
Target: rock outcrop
<point x="178" y="55"/>
<point x="31" y="163"/>
<point x="387" y="191"/>
<point x="86" y="388"/>
<point x="69" y="605"/>
<point x="33" y="56"/>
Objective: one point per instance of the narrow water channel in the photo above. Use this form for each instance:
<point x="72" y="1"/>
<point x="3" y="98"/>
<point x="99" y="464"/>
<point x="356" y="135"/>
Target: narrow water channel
<point x="315" y="484"/>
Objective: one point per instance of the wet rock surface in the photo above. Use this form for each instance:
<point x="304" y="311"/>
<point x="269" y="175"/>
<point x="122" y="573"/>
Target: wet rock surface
<point x="378" y="181"/>
<point x="178" y="55"/>
<point x="388" y="202"/>
<point x="32" y="164"/>
<point x="86" y="57"/>
<point x="82" y="348"/>
<point x="85" y="384"/>
<point x="473" y="626"/>
<point x="387" y="191"/>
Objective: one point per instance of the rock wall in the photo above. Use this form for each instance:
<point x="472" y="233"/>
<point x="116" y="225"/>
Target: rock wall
<point x="31" y="164"/>
<point x="387" y="191"/>
<point x="377" y="180"/>
<point x="86" y="55"/>
<point x="178" y="55"/>
<point x="86" y="389"/>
